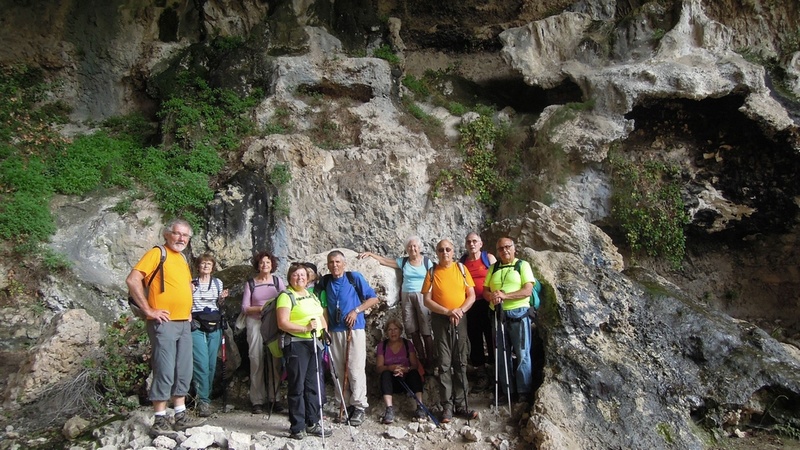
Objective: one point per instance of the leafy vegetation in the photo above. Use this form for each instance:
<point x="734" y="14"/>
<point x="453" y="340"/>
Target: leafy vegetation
<point x="647" y="204"/>
<point x="415" y="85"/>
<point x="492" y="150"/>
<point x="480" y="172"/>
<point x="456" y="109"/>
<point x="385" y="52"/>
<point x="280" y="123"/>
<point x="123" y="368"/>
<point x="279" y="177"/>
<point x="197" y="114"/>
<point x="36" y="162"/>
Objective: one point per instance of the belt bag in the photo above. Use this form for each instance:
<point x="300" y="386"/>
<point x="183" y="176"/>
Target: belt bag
<point x="207" y="321"/>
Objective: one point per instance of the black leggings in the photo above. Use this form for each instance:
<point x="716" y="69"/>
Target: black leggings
<point x="390" y="384"/>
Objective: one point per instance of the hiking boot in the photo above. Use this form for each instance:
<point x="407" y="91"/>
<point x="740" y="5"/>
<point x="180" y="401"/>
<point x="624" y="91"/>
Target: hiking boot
<point x="388" y="416"/>
<point x="420" y="413"/>
<point x="275" y="407"/>
<point x="447" y="415"/>
<point x="300" y="435"/>
<point x="161" y="427"/>
<point x="348" y="413"/>
<point x="184" y="422"/>
<point x="357" y="418"/>
<point x="468" y="414"/>
<point x="316" y="430"/>
<point x="258" y="409"/>
<point x="204" y="409"/>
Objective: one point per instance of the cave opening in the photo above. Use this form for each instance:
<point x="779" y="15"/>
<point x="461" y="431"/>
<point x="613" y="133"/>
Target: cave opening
<point x="716" y="145"/>
<point x="360" y="92"/>
<point x="510" y="92"/>
<point x="741" y="184"/>
<point x="526" y="99"/>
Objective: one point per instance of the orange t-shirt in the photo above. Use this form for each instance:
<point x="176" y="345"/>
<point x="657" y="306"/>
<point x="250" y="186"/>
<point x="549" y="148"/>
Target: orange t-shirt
<point x="177" y="295"/>
<point x="449" y="285"/>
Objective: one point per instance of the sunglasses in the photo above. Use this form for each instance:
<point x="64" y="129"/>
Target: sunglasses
<point x="444" y="250"/>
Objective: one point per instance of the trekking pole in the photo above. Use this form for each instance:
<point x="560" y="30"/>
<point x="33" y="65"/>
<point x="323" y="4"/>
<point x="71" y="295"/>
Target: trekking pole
<point x="342" y="408"/>
<point x="319" y="388"/>
<point x="270" y="369"/>
<point x="224" y="325"/>
<point x="462" y="372"/>
<point x="452" y="369"/>
<point x="496" y="363"/>
<point x="505" y="355"/>
<point x="326" y="349"/>
<point x="411" y="393"/>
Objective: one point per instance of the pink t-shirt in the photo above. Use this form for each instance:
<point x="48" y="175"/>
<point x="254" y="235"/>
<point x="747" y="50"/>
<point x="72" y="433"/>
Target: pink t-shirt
<point x="399" y="358"/>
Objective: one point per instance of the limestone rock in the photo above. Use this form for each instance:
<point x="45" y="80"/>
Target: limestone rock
<point x="232" y="18"/>
<point x="539" y="49"/>
<point x="393" y="432"/>
<point x="620" y="311"/>
<point x="694" y="59"/>
<point x="164" y="442"/>
<point x="793" y="73"/>
<point x="427" y="427"/>
<point x="558" y="230"/>
<point x="239" y="441"/>
<point x="73" y="427"/>
<point x="71" y="337"/>
<point x="471" y="434"/>
<point x="198" y="440"/>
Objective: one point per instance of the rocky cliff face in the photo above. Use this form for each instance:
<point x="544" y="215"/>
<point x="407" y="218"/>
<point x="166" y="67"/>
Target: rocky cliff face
<point x="632" y="360"/>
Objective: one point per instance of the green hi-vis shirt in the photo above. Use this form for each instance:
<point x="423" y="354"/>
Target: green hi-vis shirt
<point x="507" y="279"/>
<point x="307" y="308"/>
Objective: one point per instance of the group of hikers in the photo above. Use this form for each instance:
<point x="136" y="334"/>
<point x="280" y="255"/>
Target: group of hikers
<point x="477" y="305"/>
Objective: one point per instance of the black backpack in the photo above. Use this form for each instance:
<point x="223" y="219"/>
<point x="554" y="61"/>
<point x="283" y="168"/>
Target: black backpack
<point x="323" y="284"/>
<point x="276" y="282"/>
<point x="137" y="312"/>
<point x="269" y="318"/>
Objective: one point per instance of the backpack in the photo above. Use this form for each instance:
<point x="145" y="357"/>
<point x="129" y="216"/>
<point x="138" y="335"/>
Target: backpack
<point x="276" y="283"/>
<point x="323" y="284"/>
<point x="484" y="259"/>
<point x="137" y="312"/>
<point x="269" y="319"/>
<point x="460" y="267"/>
<point x="426" y="262"/>
<point x="537" y="285"/>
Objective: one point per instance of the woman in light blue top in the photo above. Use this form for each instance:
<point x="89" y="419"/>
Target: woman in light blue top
<point x="416" y="316"/>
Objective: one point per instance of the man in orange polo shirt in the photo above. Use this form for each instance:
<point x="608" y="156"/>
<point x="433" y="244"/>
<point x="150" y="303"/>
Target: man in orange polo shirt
<point x="168" y="307"/>
<point x="449" y="293"/>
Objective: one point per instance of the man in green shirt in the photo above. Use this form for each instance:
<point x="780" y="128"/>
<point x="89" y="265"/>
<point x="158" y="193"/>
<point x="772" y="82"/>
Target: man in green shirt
<point x="510" y="286"/>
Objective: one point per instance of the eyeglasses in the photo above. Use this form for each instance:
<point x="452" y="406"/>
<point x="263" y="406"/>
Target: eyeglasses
<point x="472" y="241"/>
<point x="505" y="247"/>
<point x="444" y="250"/>
<point x="178" y="233"/>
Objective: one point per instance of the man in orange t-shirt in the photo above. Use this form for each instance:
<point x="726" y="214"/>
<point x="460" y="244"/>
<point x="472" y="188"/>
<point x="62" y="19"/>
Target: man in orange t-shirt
<point x="449" y="293"/>
<point x="168" y="325"/>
